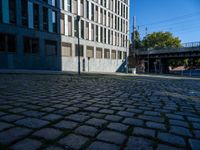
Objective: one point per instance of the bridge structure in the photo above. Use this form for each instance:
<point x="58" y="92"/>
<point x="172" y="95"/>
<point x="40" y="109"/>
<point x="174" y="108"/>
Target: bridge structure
<point x="156" y="60"/>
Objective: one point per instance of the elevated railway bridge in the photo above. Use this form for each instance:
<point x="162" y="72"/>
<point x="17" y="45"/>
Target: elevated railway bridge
<point x="156" y="60"/>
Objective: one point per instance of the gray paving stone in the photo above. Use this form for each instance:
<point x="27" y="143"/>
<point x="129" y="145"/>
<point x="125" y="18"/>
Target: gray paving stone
<point x="110" y="136"/>
<point x="92" y="109"/>
<point x="106" y="111"/>
<point x="126" y="114"/>
<point x="155" y="125"/>
<point x="179" y="123"/>
<point x="117" y="126"/>
<point x="27" y="144"/>
<point x="144" y="132"/>
<point x="4" y="126"/>
<point x="52" y="117"/>
<point x="32" y="123"/>
<point x="73" y="141"/>
<point x="86" y="130"/>
<point x="151" y="118"/>
<point x="11" y="118"/>
<point x="181" y="131"/>
<point x="66" y="124"/>
<point x="175" y="117"/>
<point x="152" y="113"/>
<point x="32" y="113"/>
<point x="48" y="133"/>
<point x="167" y="147"/>
<point x="114" y="118"/>
<point x="172" y="139"/>
<point x="96" y="122"/>
<point x="194" y="144"/>
<point x="134" y="122"/>
<point x="137" y="143"/>
<point x="13" y="134"/>
<point x="54" y="148"/>
<point x="102" y="146"/>
<point x="78" y="118"/>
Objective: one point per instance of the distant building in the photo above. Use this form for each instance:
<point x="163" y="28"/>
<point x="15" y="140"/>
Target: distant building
<point x="42" y="34"/>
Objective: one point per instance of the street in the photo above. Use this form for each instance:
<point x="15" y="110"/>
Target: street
<point x="107" y="112"/>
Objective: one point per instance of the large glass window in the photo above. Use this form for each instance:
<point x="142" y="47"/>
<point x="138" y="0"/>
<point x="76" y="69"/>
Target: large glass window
<point x="51" y="48"/>
<point x="36" y="16"/>
<point x="81" y="50"/>
<point x="31" y="45"/>
<point x="69" y="5"/>
<point x="24" y="12"/>
<point x="54" y="21"/>
<point x="66" y="49"/>
<point x="62" y="24"/>
<point x="1" y="15"/>
<point x="45" y="19"/>
<point x="7" y="42"/>
<point x="69" y="25"/>
<point x="12" y="11"/>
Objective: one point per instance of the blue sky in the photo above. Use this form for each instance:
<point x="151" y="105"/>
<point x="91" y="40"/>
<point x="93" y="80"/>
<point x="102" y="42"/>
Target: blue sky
<point x="181" y="17"/>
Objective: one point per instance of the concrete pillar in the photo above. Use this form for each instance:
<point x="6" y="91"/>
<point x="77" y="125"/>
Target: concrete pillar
<point x="66" y="24"/>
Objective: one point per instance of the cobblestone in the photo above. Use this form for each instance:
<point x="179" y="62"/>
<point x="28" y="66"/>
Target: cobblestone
<point x="56" y="112"/>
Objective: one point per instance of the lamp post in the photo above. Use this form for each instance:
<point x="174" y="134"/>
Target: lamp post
<point x="79" y="61"/>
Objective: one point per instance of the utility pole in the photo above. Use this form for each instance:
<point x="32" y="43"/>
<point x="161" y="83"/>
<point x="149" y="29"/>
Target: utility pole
<point x="146" y="30"/>
<point x="79" y="61"/>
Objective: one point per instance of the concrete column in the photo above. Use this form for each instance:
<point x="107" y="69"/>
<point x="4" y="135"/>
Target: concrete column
<point x="5" y="10"/>
<point x="95" y="52"/>
<point x="99" y="14"/>
<point x="90" y="15"/>
<point x="66" y="24"/>
<point x="30" y="15"/>
<point x="90" y="33"/>
<point x="79" y="7"/>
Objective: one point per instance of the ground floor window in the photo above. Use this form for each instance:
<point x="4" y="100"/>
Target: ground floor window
<point x="81" y="50"/>
<point x="66" y="49"/>
<point x="113" y="54"/>
<point x="119" y="55"/>
<point x="7" y="42"/>
<point x="107" y="53"/>
<point x="99" y="53"/>
<point x="50" y="47"/>
<point x="90" y="52"/>
<point x="31" y="45"/>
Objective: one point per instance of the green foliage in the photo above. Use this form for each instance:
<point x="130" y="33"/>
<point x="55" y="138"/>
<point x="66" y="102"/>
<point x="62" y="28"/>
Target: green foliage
<point x="159" y="40"/>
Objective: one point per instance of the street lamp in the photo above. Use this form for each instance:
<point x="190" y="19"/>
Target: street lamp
<point x="79" y="61"/>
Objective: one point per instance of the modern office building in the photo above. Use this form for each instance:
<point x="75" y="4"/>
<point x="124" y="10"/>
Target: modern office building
<point x="42" y="34"/>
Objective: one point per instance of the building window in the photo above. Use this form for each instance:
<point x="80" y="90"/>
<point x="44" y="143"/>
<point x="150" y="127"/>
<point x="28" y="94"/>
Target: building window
<point x="101" y="32"/>
<point x="12" y="11"/>
<point x="87" y="31"/>
<point x="105" y="36"/>
<point x="75" y="4"/>
<point x="82" y="29"/>
<point x="66" y="49"/>
<point x="97" y="33"/>
<point x="45" y="19"/>
<point x="87" y="10"/>
<point x="82" y="8"/>
<point x="113" y="55"/>
<point x="69" y="26"/>
<point x="50" y="48"/>
<point x="69" y="5"/>
<point x="31" y="45"/>
<point x="76" y="27"/>
<point x="81" y="50"/>
<point x="36" y="16"/>
<point x="124" y="55"/>
<point x="92" y="12"/>
<point x="24" y="12"/>
<point x="7" y="42"/>
<point x="90" y="52"/>
<point x="1" y="14"/>
<point x="107" y="53"/>
<point x="54" y="21"/>
<point x="119" y="55"/>
<point x="62" y="24"/>
<point x="99" y="53"/>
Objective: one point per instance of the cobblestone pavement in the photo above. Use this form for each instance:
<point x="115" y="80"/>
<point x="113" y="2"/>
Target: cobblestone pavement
<point x="56" y="112"/>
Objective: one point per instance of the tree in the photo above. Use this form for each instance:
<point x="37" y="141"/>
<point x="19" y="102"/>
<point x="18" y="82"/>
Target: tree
<point x="136" y="41"/>
<point x="159" y="40"/>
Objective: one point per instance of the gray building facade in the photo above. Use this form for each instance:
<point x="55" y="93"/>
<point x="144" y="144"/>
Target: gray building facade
<point x="42" y="34"/>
